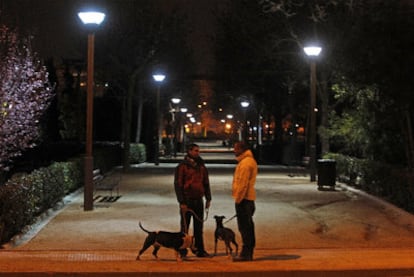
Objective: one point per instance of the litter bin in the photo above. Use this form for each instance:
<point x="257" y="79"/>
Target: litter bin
<point x="326" y="173"/>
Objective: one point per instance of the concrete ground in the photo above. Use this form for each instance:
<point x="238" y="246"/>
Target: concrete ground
<point x="301" y="231"/>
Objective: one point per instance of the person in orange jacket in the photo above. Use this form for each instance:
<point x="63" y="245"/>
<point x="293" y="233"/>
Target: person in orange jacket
<point x="244" y="195"/>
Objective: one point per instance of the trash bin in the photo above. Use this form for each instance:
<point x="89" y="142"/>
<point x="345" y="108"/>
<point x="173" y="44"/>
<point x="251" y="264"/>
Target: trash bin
<point x="326" y="173"/>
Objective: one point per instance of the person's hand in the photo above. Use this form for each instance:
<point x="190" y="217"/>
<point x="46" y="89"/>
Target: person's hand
<point x="208" y="204"/>
<point x="183" y="207"/>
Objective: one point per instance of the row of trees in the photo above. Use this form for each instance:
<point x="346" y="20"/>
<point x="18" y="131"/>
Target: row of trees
<point x="363" y="73"/>
<point x="136" y="39"/>
<point x="364" y="81"/>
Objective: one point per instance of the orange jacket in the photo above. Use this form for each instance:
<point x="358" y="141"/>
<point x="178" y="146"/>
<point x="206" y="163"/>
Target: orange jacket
<point x="244" y="177"/>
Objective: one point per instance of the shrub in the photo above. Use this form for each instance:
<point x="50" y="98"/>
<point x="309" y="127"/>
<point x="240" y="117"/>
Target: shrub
<point x="137" y="153"/>
<point x="17" y="208"/>
<point x="25" y="196"/>
<point x="395" y="185"/>
<point x="70" y="174"/>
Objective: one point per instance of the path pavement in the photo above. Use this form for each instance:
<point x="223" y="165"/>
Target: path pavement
<point x="301" y="231"/>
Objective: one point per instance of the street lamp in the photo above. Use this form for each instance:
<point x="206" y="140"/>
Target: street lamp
<point x="175" y="122"/>
<point x="159" y="78"/>
<point x="183" y="111"/>
<point x="312" y="52"/>
<point x="92" y="20"/>
<point x="245" y="104"/>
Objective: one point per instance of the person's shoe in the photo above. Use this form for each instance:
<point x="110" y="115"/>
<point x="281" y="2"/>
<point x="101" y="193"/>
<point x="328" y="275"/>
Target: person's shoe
<point x="203" y="254"/>
<point x="243" y="259"/>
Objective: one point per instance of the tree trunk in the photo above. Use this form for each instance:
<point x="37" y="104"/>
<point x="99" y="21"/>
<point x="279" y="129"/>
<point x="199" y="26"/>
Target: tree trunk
<point x="140" y="105"/>
<point x="409" y="138"/>
<point x="128" y="115"/>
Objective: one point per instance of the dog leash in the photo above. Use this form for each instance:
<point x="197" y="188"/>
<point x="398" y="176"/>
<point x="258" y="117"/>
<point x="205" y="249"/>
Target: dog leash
<point x="231" y="218"/>
<point x="195" y="216"/>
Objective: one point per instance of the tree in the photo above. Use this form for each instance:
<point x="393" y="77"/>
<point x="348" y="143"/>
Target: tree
<point x="249" y="64"/>
<point x="139" y="36"/>
<point x="25" y="94"/>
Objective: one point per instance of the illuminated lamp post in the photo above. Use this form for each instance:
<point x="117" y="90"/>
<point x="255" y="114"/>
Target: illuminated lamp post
<point x="159" y="78"/>
<point x="312" y="52"/>
<point x="92" y="20"/>
<point x="175" y="121"/>
<point x="183" y="111"/>
<point x="245" y="104"/>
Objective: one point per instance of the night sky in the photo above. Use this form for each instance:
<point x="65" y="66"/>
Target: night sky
<point x="57" y="28"/>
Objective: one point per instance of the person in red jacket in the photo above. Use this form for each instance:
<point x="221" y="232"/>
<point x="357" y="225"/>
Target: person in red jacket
<point x="191" y="183"/>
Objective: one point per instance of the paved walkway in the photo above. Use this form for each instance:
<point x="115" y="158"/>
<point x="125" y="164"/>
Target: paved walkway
<point x="300" y="231"/>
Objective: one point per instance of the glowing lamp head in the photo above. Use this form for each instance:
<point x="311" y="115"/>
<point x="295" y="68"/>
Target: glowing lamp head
<point x="245" y="104"/>
<point x="176" y="100"/>
<point x="95" y="18"/>
<point x="312" y="51"/>
<point x="158" y="77"/>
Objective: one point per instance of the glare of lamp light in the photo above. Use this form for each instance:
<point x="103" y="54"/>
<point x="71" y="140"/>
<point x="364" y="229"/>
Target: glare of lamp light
<point x="91" y="17"/>
<point x="244" y="104"/>
<point x="158" y="77"/>
<point x="312" y="50"/>
<point x="175" y="100"/>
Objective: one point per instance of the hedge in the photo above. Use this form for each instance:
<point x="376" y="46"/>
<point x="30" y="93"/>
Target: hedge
<point x="26" y="196"/>
<point x="393" y="184"/>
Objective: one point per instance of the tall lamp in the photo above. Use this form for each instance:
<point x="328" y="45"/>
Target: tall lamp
<point x="159" y="78"/>
<point x="245" y="104"/>
<point x="312" y="52"/>
<point x="92" y="20"/>
<point x="175" y="122"/>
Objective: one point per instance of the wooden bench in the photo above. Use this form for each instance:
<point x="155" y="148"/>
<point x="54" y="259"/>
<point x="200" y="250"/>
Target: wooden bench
<point x="108" y="182"/>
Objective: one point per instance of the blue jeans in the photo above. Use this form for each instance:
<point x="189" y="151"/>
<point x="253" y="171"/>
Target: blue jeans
<point x="244" y="211"/>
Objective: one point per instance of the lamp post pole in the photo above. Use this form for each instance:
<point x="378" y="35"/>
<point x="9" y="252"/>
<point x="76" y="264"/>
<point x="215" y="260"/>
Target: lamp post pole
<point x="158" y="78"/>
<point x="312" y="52"/>
<point x="313" y="122"/>
<point x="88" y="190"/>
<point x="90" y="19"/>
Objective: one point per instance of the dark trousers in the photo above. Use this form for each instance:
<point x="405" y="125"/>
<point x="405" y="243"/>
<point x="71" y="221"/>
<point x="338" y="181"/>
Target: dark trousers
<point x="244" y="211"/>
<point x="198" y="208"/>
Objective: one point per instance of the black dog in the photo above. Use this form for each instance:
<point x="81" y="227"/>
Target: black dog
<point x="177" y="241"/>
<point x="225" y="234"/>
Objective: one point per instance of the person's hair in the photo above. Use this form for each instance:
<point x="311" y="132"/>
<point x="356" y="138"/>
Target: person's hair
<point x="243" y="145"/>
<point x="192" y="146"/>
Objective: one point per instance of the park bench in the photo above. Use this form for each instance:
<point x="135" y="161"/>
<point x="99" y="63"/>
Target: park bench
<point x="107" y="182"/>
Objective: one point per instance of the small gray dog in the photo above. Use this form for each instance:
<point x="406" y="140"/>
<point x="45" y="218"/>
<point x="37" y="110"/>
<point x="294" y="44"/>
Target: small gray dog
<point x="225" y="234"/>
<point x="177" y="241"/>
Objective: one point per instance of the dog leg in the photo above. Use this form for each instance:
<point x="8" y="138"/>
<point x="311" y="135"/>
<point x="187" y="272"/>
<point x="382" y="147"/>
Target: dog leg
<point x="228" y="247"/>
<point x="178" y="256"/>
<point x="155" y="251"/>
<point x="147" y="244"/>
<point x="237" y="246"/>
<point x="215" y="246"/>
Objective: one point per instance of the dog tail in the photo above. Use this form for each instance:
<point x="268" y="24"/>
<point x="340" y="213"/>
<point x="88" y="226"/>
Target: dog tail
<point x="143" y="229"/>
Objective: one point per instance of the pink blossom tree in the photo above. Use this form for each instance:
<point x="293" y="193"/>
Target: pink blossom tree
<point x="25" y="94"/>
